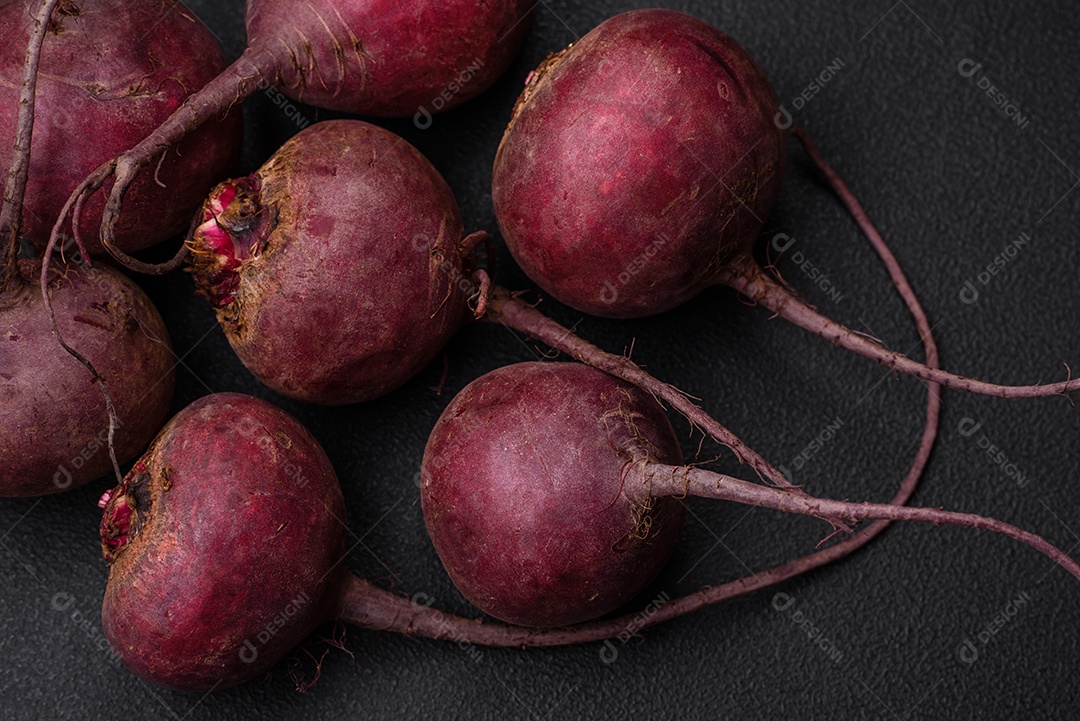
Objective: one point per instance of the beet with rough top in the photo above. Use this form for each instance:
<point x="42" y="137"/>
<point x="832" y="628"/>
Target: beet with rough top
<point x="335" y="268"/>
<point x="222" y="543"/>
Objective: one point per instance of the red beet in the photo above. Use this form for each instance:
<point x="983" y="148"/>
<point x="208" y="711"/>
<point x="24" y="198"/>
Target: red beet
<point x="639" y="162"/>
<point x="105" y="83"/>
<point x="379" y="57"/>
<point x="56" y="429"/>
<point x="542" y="483"/>
<point x="334" y="267"/>
<point x="638" y="169"/>
<point x="221" y="542"/>
<point x="522" y="541"/>
<point x="53" y="420"/>
<point x="368" y="57"/>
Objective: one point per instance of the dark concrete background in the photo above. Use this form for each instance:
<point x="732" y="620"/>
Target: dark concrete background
<point x="951" y="182"/>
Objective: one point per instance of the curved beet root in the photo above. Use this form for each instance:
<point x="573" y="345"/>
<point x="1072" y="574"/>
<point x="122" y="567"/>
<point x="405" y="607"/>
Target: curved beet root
<point x="334" y="267"/>
<point x="233" y="519"/>
<point x="361" y="56"/>
<point x="631" y="230"/>
<point x="105" y="83"/>
<point x="514" y="454"/>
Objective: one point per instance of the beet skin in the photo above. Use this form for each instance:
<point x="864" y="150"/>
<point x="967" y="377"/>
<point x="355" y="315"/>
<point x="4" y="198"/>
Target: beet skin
<point x="639" y="161"/>
<point x="223" y="543"/>
<point x="520" y="486"/>
<point x="53" y="419"/>
<point x="336" y="269"/>
<point x="386" y="57"/>
<point x="106" y="80"/>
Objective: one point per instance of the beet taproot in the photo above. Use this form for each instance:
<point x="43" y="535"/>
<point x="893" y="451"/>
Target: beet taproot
<point x="52" y="414"/>
<point x="222" y="543"/>
<point x="638" y="162"/>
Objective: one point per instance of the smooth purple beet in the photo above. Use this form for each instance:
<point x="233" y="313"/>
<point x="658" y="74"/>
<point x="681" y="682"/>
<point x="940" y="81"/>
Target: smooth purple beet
<point x="335" y="268"/>
<point x="638" y="162"/>
<point x="520" y="493"/>
<point x="106" y="82"/>
<point x="223" y="543"/>
<point x="53" y="419"/>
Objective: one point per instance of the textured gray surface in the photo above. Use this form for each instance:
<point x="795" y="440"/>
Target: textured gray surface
<point x="951" y="182"/>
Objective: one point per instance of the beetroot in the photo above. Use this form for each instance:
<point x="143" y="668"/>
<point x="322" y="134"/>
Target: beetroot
<point x="374" y="57"/>
<point x="631" y="229"/>
<point x="573" y="544"/>
<point x="334" y="267"/>
<point x="56" y="428"/>
<point x="106" y="82"/>
<point x="655" y="217"/>
<point x="369" y="57"/>
<point x="52" y="415"/>
<point x="232" y="491"/>
<point x="546" y="492"/>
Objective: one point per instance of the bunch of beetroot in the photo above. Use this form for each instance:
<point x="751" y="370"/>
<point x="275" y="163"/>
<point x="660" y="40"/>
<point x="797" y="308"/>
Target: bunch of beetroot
<point x="340" y="268"/>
